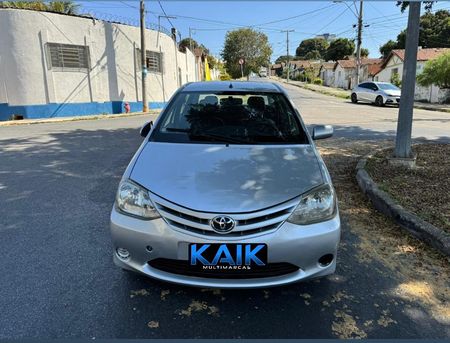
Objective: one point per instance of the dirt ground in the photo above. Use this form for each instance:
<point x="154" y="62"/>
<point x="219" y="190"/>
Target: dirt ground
<point x="424" y="190"/>
<point x="423" y="272"/>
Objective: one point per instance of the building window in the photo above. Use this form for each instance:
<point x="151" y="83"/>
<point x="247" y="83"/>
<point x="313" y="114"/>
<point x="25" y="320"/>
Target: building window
<point x="67" y="57"/>
<point x="154" y="61"/>
<point x="394" y="71"/>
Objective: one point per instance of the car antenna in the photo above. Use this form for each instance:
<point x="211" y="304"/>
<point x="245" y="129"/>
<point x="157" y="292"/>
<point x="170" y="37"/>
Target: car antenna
<point x="231" y="85"/>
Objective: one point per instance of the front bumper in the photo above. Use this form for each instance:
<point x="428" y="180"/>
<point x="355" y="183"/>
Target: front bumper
<point x="301" y="246"/>
<point x="392" y="100"/>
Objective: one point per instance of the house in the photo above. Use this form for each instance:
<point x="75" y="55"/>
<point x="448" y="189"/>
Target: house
<point x="277" y="69"/>
<point x="326" y="73"/>
<point x="345" y="71"/>
<point x="300" y="67"/>
<point x="54" y="65"/>
<point x="393" y="64"/>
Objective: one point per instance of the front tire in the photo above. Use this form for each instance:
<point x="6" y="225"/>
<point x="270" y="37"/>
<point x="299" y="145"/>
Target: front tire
<point x="354" y="98"/>
<point x="379" y="101"/>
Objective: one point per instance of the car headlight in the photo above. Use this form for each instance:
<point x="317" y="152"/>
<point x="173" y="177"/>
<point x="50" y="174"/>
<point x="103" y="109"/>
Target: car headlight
<point x="134" y="200"/>
<point x="315" y="206"/>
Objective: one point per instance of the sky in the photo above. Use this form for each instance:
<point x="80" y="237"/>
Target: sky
<point x="209" y="21"/>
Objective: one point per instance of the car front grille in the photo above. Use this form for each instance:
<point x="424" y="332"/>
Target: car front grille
<point x="182" y="267"/>
<point x="247" y="224"/>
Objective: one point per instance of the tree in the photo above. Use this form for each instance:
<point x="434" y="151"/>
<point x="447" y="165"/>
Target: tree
<point x="434" y="33"/>
<point x="248" y="44"/>
<point x="340" y="49"/>
<point x="387" y="47"/>
<point x="186" y="43"/>
<point x="364" y="52"/>
<point x="284" y="58"/>
<point x="313" y="55"/>
<point x="66" y="7"/>
<point x="315" y="46"/>
<point x="436" y="72"/>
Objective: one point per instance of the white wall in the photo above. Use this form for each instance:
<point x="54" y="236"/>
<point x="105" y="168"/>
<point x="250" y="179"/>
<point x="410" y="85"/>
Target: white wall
<point x="431" y="94"/>
<point x="114" y="76"/>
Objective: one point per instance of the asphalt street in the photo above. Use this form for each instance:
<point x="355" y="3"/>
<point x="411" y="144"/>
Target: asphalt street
<point x="57" y="187"/>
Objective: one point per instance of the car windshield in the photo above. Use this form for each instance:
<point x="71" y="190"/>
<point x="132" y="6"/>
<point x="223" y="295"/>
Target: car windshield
<point x="230" y="117"/>
<point x="388" y="86"/>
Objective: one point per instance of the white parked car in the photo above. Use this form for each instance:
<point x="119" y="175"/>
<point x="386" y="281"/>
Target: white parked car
<point x="379" y="93"/>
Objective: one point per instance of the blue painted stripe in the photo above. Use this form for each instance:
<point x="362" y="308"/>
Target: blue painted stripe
<point x="55" y="110"/>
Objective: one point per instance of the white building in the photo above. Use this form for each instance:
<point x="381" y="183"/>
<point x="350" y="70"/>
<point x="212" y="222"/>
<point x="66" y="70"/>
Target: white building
<point x="394" y="64"/>
<point x="55" y="65"/>
<point x="327" y="73"/>
<point x="345" y="72"/>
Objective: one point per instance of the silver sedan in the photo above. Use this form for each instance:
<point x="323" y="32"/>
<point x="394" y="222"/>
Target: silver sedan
<point x="227" y="190"/>
<point x="379" y="93"/>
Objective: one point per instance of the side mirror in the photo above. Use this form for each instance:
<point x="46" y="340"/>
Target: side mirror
<point x="145" y="129"/>
<point x="322" y="132"/>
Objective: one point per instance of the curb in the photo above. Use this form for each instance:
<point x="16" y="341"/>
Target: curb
<point x="415" y="225"/>
<point x="74" y="118"/>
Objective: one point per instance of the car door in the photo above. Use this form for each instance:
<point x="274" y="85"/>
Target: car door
<point x="363" y="90"/>
<point x="372" y="91"/>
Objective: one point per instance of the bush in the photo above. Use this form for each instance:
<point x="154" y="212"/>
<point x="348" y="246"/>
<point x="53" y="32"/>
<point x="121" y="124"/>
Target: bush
<point x="224" y="76"/>
<point x="318" y="81"/>
<point x="395" y="80"/>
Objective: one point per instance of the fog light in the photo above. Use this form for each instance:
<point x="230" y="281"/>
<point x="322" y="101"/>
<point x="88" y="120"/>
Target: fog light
<point x="325" y="260"/>
<point x="123" y="253"/>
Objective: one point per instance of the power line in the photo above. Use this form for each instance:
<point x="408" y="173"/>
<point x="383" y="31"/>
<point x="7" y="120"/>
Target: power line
<point x="294" y="17"/>
<point x="165" y="14"/>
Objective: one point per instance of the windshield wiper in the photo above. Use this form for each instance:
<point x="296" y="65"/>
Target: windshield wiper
<point x="176" y="129"/>
<point x="215" y="137"/>
<point x="220" y="138"/>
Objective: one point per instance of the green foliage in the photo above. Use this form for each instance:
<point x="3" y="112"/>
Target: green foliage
<point x="318" y="81"/>
<point x="387" y="47"/>
<point x="224" y="76"/>
<point x="436" y="72"/>
<point x="340" y="49"/>
<point x="364" y="52"/>
<point x="66" y="7"/>
<point x="246" y="43"/>
<point x="404" y="4"/>
<point x="284" y="58"/>
<point x="395" y="80"/>
<point x="313" y="47"/>
<point x="434" y="33"/>
<point x="186" y="43"/>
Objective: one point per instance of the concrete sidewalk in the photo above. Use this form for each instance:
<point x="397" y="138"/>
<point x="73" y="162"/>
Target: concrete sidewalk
<point x="74" y="118"/>
<point x="345" y="94"/>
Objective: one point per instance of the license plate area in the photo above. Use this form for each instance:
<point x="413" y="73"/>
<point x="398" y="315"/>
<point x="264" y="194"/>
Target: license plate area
<point x="227" y="257"/>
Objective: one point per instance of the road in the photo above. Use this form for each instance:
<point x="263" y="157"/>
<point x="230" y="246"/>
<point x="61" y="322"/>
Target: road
<point x="57" y="186"/>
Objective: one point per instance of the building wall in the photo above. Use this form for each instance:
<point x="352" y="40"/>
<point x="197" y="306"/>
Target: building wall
<point x="431" y="94"/>
<point x="30" y="88"/>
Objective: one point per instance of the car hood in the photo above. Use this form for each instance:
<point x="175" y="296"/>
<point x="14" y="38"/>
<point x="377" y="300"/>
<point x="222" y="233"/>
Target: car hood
<point x="393" y="93"/>
<point x="227" y="179"/>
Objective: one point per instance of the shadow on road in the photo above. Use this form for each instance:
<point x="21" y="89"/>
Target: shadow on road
<point x="56" y="193"/>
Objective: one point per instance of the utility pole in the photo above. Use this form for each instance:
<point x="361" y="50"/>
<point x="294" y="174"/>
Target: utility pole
<point x="358" y="42"/>
<point x="405" y="113"/>
<point x="143" y="59"/>
<point x="287" y="52"/>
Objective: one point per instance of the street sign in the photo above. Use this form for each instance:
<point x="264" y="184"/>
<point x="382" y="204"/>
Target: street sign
<point x="241" y="61"/>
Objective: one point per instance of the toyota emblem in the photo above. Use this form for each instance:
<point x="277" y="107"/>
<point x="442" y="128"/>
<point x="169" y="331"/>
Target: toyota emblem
<point x="222" y="224"/>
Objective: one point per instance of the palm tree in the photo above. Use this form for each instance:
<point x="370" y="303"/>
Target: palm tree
<point x="66" y="7"/>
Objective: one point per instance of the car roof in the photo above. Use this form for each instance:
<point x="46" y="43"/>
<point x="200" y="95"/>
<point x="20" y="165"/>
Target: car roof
<point x="239" y="86"/>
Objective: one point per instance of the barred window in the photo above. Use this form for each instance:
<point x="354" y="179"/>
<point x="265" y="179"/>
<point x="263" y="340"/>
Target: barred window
<point x="154" y="61"/>
<point x="67" y="56"/>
